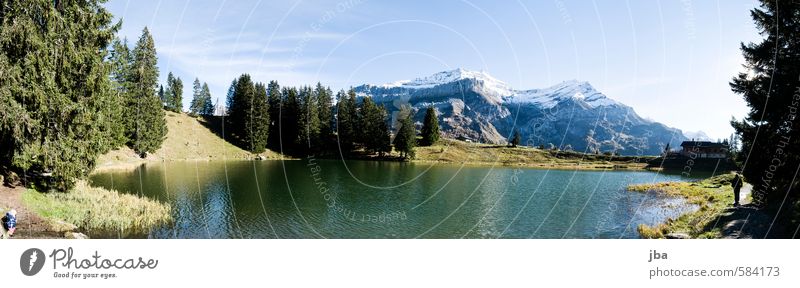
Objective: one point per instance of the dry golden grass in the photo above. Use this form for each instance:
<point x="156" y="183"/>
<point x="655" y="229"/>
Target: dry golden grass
<point x="98" y="211"/>
<point x="459" y="152"/>
<point x="188" y="139"/>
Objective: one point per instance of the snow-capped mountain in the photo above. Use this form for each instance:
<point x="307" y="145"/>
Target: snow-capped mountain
<point x="568" y="115"/>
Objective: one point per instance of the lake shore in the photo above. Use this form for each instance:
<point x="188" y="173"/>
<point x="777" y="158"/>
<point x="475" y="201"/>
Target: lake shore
<point x="715" y="218"/>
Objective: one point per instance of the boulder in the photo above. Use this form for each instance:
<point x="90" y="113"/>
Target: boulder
<point x="677" y="236"/>
<point x="61" y="226"/>
<point x="75" y="235"/>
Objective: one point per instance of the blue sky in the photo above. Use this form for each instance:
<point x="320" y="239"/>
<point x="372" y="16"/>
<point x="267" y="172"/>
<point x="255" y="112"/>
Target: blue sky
<point x="670" y="60"/>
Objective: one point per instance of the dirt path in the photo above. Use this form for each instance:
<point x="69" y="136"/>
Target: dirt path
<point x="29" y="224"/>
<point x="745" y="221"/>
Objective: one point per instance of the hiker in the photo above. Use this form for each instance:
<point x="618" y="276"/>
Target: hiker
<point x="737" y="185"/>
<point x="9" y="224"/>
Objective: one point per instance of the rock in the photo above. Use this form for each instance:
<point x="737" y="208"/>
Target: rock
<point x="75" y="235"/>
<point x="677" y="236"/>
<point x="61" y="226"/>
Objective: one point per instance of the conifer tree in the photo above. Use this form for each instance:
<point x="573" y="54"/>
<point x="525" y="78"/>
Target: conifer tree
<point x="325" y="115"/>
<point x="289" y="114"/>
<point x="770" y="88"/>
<point x="173" y="98"/>
<point x="274" y="103"/>
<point x="207" y="106"/>
<point x="406" y="138"/>
<point x="309" y="125"/>
<point x="430" y="128"/>
<point x="148" y="127"/>
<point x="346" y="120"/>
<point x="55" y="90"/>
<point x="196" y="106"/>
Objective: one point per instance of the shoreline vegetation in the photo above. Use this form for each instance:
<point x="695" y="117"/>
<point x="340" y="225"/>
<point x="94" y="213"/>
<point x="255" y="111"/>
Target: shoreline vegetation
<point x="713" y="196"/>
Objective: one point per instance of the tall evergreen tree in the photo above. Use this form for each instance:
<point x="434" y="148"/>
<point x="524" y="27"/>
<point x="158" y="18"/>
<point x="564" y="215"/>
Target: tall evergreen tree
<point x="148" y="127"/>
<point x="207" y="107"/>
<point x="770" y="147"/>
<point x="274" y="103"/>
<point x="120" y="61"/>
<point x="54" y="87"/>
<point x="290" y="121"/>
<point x="173" y="98"/>
<point x="516" y="139"/>
<point x="325" y="115"/>
<point x="257" y="123"/>
<point x="406" y="138"/>
<point x="430" y="128"/>
<point x="309" y="122"/>
<point x="346" y="120"/>
<point x="375" y="130"/>
<point x="197" y="105"/>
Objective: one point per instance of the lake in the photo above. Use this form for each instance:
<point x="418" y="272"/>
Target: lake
<point x="314" y="198"/>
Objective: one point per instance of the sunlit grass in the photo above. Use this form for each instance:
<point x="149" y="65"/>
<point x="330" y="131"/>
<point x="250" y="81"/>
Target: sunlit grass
<point x="97" y="211"/>
<point x="712" y="195"/>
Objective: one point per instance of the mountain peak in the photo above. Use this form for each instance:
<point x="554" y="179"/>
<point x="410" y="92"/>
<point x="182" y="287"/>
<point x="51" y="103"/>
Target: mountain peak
<point x="445" y="77"/>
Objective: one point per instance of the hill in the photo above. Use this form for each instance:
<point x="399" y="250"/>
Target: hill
<point x="188" y="139"/>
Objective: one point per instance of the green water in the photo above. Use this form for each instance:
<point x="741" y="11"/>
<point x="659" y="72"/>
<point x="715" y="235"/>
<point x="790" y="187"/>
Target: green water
<point x="314" y="198"/>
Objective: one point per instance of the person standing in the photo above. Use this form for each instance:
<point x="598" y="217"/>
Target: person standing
<point x="736" y="183"/>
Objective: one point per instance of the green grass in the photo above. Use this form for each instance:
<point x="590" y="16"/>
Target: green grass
<point x="99" y="212"/>
<point x="712" y="195"/>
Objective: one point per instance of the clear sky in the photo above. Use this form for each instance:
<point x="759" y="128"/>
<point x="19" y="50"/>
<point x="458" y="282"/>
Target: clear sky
<point x="671" y="60"/>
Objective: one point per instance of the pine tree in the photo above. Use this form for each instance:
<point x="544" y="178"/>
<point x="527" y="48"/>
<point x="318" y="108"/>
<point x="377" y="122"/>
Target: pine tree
<point x="274" y="103"/>
<point x="383" y="137"/>
<point x="258" y="121"/>
<point x="430" y="128"/>
<point x="406" y="138"/>
<point x="346" y="120"/>
<point x="516" y="139"/>
<point x="173" y="98"/>
<point x="148" y="127"/>
<point x="229" y="98"/>
<point x="769" y="131"/>
<point x="325" y="115"/>
<point x="309" y="122"/>
<point x="120" y="61"/>
<point x="197" y="105"/>
<point x="55" y="89"/>
<point x="207" y="107"/>
<point x="290" y="122"/>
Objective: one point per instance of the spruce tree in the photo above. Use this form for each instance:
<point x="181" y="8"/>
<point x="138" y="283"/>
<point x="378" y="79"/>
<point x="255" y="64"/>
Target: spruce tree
<point x="274" y="103"/>
<point x="197" y="105"/>
<point x="516" y="139"/>
<point x="173" y="98"/>
<point x="406" y="138"/>
<point x="257" y="122"/>
<point x="55" y="89"/>
<point x="290" y="121"/>
<point x="120" y="61"/>
<point x="148" y="127"/>
<point x="346" y="120"/>
<point x="770" y="146"/>
<point x="325" y="115"/>
<point x="207" y="107"/>
<point x="430" y="128"/>
<point x="309" y="122"/>
<point x="383" y="137"/>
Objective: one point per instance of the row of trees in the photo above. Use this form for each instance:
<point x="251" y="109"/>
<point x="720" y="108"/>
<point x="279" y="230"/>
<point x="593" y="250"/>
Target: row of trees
<point x="302" y="121"/>
<point x="65" y="97"/>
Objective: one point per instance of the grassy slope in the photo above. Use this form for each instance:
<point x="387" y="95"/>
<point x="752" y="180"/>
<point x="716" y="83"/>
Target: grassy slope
<point x="453" y="151"/>
<point x="713" y="195"/>
<point x="188" y="138"/>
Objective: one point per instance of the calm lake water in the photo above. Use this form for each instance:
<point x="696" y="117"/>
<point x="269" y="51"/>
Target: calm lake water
<point x="314" y="198"/>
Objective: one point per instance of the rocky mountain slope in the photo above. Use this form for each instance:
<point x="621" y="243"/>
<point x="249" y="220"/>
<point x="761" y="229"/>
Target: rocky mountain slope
<point x="571" y="115"/>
